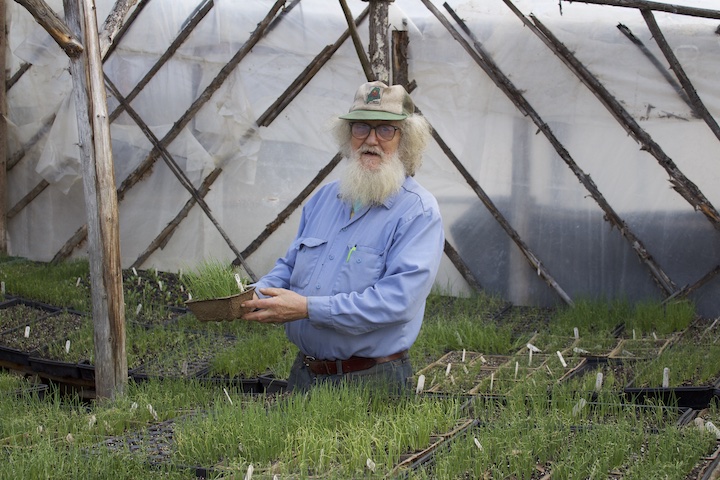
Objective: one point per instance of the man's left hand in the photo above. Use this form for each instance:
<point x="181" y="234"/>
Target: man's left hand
<point x="280" y="306"/>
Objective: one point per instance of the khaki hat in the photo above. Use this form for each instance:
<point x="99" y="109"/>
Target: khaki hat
<point x="377" y="101"/>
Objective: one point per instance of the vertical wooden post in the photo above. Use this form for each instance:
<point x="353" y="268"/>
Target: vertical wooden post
<point x="400" y="43"/>
<point x="100" y="203"/>
<point x="3" y="136"/>
<point x="379" y="45"/>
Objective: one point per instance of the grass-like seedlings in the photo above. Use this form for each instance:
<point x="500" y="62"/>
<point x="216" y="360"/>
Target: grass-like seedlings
<point x="212" y="279"/>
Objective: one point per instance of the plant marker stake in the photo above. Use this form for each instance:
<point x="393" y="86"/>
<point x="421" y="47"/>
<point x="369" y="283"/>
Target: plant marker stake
<point x="579" y="406"/>
<point x="134" y="271"/>
<point x="77" y="284"/>
<point x="529" y="358"/>
<point x="562" y="360"/>
<point x="447" y="370"/>
<point x="39" y="429"/>
<point x="598" y="381"/>
<point x="710" y="427"/>
<point x="139" y="281"/>
<point x="482" y="359"/>
<point x="421" y="384"/>
<point x="91" y="421"/>
<point x="548" y="369"/>
<point x="666" y="377"/>
<point x="27" y="331"/>
<point x="138" y="308"/>
<point x="463" y="356"/>
<point x="517" y="365"/>
<point x="69" y="438"/>
<point x="492" y="380"/>
<point x="654" y="336"/>
<point x="239" y="283"/>
<point x="579" y="350"/>
<point x="452" y="379"/>
<point x="152" y="411"/>
<point x="370" y="464"/>
<point x="227" y="395"/>
<point x="465" y="370"/>
<point x="184" y="368"/>
<point x="160" y="285"/>
<point x="477" y="443"/>
<point x="633" y="334"/>
<point x="533" y="348"/>
<point x="189" y="296"/>
<point x="133" y="407"/>
<point x="249" y="473"/>
<point x="576" y="332"/>
<point x="67" y="346"/>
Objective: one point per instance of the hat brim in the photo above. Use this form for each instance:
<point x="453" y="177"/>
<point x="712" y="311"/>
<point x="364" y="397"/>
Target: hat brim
<point x="372" y="115"/>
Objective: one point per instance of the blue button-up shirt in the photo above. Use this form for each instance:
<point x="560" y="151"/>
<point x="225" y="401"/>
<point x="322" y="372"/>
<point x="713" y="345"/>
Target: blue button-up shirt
<point x="366" y="277"/>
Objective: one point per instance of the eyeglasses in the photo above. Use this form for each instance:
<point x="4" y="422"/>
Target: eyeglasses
<point x="383" y="131"/>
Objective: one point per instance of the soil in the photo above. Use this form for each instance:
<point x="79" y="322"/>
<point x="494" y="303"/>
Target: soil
<point x="44" y="330"/>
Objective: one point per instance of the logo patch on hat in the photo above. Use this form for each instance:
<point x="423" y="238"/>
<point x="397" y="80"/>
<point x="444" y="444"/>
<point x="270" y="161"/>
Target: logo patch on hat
<point x="373" y="95"/>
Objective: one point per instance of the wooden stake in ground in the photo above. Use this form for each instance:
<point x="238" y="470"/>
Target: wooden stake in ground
<point x="111" y="371"/>
<point x="3" y="140"/>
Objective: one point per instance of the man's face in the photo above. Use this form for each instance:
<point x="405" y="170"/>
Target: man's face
<point x="374" y="150"/>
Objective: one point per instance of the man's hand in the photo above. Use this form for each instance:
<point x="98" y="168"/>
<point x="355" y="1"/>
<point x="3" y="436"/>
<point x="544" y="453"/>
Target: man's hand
<point x="281" y="306"/>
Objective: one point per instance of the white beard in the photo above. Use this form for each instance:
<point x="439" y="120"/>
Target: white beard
<point x="371" y="187"/>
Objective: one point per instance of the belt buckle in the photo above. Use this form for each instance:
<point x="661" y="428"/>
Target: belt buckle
<point x="307" y="359"/>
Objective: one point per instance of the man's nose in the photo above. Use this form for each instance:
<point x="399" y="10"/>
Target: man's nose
<point x="372" y="138"/>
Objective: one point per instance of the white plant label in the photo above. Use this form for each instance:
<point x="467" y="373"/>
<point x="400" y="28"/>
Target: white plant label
<point x="548" y="369"/>
<point x="421" y="384"/>
<point x="160" y="285"/>
<point x="710" y="427"/>
<point x="482" y="359"/>
<point x="598" y="381"/>
<point x="452" y="379"/>
<point x="530" y="358"/>
<point x="139" y="281"/>
<point x="578" y="407"/>
<point x="634" y="337"/>
<point x="463" y="356"/>
<point x="562" y="360"/>
<point x="492" y="380"/>
<point x="134" y="271"/>
<point x="239" y="283"/>
<point x="77" y="284"/>
<point x="67" y="346"/>
<point x="370" y="465"/>
<point x="517" y="366"/>
<point x="249" y="473"/>
<point x="477" y="443"/>
<point x="447" y="370"/>
<point x="152" y="411"/>
<point x="91" y="421"/>
<point x="533" y="348"/>
<point x="465" y="370"/>
<point x="138" y="308"/>
<point x="189" y="296"/>
<point x="666" y="377"/>
<point x="655" y="336"/>
<point x="133" y="406"/>
<point x="579" y="350"/>
<point x="2" y="288"/>
<point x="576" y="332"/>
<point x="27" y="331"/>
<point x="227" y="395"/>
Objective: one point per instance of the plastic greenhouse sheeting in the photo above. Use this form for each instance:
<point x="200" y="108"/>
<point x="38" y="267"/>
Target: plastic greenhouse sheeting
<point x="265" y="168"/>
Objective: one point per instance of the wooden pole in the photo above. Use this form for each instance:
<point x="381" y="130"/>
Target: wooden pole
<point x="54" y="25"/>
<point x="658" y="6"/>
<point x="100" y="204"/>
<point x="379" y="45"/>
<point x="3" y="138"/>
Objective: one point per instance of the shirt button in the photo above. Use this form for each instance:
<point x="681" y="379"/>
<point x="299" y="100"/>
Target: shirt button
<point x="317" y="287"/>
<point x="358" y="261"/>
<point x="331" y="257"/>
<point x="343" y="229"/>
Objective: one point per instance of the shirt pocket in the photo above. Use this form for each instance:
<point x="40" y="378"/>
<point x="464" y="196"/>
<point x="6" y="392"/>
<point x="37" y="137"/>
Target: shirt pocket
<point x="309" y="250"/>
<point x="363" y="267"/>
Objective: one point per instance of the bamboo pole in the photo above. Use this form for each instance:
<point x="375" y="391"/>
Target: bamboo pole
<point x="3" y="138"/>
<point x="108" y="304"/>
<point x="697" y="104"/>
<point x="516" y="96"/>
<point x="657" y="6"/>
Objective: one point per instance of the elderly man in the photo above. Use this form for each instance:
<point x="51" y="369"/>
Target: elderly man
<point x="352" y="287"/>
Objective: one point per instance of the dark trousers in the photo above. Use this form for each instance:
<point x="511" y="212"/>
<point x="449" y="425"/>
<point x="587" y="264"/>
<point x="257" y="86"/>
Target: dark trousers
<point x="394" y="377"/>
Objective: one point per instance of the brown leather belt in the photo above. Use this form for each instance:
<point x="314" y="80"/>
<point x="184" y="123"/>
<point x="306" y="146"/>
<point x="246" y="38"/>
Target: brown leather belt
<point x="352" y="364"/>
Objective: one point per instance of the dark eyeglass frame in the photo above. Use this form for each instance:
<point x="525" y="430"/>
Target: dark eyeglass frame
<point x="381" y="131"/>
